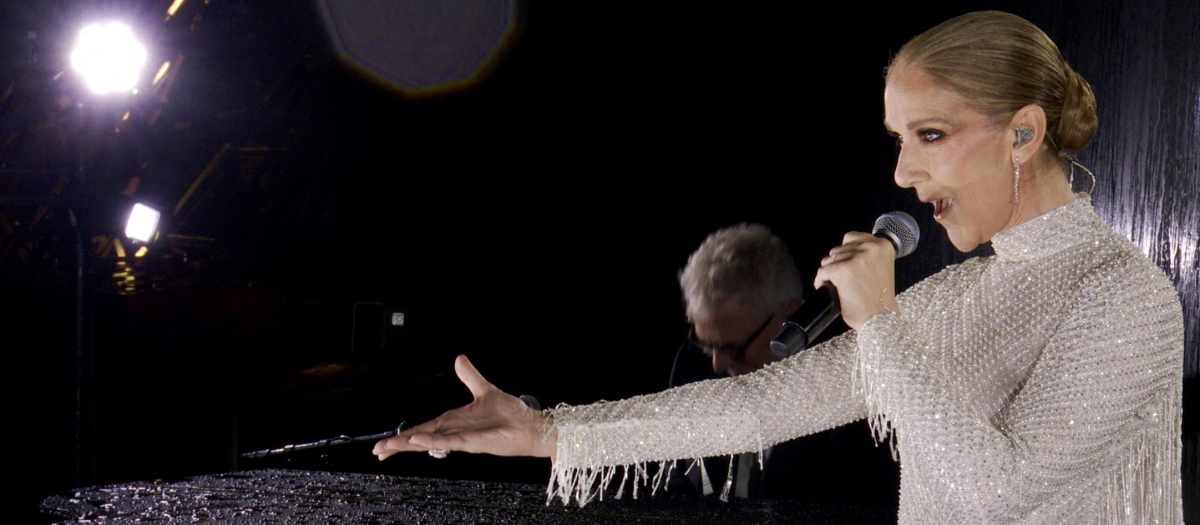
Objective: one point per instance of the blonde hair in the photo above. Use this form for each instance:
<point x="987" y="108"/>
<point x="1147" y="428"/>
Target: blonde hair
<point x="1000" y="63"/>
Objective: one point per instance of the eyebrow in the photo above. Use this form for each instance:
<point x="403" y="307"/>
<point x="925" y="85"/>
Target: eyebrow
<point x="918" y="123"/>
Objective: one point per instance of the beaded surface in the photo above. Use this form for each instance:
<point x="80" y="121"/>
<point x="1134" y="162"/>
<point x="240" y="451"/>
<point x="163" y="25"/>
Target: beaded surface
<point x="1040" y="385"/>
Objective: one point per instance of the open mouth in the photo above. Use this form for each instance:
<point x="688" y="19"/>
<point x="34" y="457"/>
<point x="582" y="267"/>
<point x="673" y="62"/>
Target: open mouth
<point x="940" y="206"/>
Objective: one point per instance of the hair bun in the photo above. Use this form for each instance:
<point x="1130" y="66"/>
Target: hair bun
<point x="1077" y="124"/>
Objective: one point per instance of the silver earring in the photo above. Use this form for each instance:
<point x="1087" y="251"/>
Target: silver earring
<point x="1016" y="178"/>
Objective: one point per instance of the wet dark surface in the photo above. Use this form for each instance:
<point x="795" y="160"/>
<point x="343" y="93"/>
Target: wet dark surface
<point x="307" y="497"/>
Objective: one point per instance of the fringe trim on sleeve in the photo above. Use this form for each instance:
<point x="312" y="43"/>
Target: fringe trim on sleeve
<point x="584" y="484"/>
<point x="584" y="473"/>
<point x="1144" y="488"/>
<point x="878" y="400"/>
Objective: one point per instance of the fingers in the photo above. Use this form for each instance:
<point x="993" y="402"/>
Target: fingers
<point x="381" y="452"/>
<point x="853" y="244"/>
<point x="464" y="442"/>
<point x="840" y="253"/>
<point x="857" y="237"/>
<point x="862" y="270"/>
<point x="415" y="440"/>
<point x="866" y="241"/>
<point x="471" y="377"/>
<point x="821" y="278"/>
<point x="385" y="448"/>
<point x="832" y="263"/>
<point x="445" y="432"/>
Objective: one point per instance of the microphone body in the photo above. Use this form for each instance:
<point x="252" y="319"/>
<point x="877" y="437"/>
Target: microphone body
<point x="809" y="320"/>
<point x="823" y="307"/>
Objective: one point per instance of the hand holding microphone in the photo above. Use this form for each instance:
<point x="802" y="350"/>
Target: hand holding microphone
<point x="856" y="280"/>
<point x="862" y="272"/>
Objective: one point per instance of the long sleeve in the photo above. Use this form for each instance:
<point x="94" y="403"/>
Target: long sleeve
<point x="1091" y="430"/>
<point x="1041" y="385"/>
<point x="807" y="393"/>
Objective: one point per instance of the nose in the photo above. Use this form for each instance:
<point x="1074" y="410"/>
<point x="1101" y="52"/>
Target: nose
<point x="721" y="361"/>
<point x="908" y="172"/>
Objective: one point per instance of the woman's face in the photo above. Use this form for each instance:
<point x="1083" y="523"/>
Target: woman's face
<point x="954" y="157"/>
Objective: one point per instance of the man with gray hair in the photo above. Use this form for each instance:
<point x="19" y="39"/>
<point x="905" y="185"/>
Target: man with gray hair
<point x="739" y="287"/>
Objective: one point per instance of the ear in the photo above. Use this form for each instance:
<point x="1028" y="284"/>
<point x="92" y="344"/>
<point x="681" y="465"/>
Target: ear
<point x="1034" y="118"/>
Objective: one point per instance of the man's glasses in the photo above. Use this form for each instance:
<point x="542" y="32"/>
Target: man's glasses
<point x="737" y="350"/>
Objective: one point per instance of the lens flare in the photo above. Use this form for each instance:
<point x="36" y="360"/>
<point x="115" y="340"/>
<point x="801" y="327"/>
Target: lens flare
<point x="108" y="57"/>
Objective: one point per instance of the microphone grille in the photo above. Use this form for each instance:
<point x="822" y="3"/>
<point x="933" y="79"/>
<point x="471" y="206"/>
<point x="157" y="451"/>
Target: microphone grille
<point x="902" y="229"/>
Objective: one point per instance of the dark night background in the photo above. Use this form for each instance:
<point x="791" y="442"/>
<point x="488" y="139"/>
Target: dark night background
<point x="534" y="220"/>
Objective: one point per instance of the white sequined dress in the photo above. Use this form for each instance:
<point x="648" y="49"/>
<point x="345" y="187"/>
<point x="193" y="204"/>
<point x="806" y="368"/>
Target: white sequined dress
<point x="1039" y="385"/>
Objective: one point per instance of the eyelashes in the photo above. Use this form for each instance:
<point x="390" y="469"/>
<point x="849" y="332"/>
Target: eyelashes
<point x="926" y="135"/>
<point x="930" y="135"/>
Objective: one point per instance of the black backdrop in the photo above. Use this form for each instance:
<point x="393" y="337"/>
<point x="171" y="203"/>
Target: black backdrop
<point x="536" y="221"/>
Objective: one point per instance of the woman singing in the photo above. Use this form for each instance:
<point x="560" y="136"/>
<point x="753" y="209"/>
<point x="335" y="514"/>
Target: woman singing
<point x="1039" y="385"/>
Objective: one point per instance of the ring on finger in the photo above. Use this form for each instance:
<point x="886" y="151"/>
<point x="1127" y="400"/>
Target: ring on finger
<point x="439" y="453"/>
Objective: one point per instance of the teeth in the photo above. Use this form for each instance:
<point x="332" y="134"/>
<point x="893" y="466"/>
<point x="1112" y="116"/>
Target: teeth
<point x="940" y="205"/>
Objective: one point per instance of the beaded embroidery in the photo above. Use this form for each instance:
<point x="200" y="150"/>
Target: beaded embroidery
<point x="1040" y="385"/>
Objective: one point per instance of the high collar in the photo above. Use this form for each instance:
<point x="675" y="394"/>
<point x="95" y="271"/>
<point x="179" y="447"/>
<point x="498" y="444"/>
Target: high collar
<point x="1053" y="231"/>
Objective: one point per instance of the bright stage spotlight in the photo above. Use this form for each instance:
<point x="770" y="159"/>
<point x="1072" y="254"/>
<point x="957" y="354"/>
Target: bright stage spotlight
<point x="143" y="222"/>
<point x="109" y="57"/>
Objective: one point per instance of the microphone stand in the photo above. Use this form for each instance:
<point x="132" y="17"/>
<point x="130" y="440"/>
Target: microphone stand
<point x="323" y="443"/>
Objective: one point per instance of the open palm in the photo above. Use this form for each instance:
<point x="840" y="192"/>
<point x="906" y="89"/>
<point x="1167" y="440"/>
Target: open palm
<point x="494" y="423"/>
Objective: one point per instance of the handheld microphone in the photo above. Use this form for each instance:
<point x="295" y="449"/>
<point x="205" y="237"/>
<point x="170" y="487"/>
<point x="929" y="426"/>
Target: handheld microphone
<point x="822" y="308"/>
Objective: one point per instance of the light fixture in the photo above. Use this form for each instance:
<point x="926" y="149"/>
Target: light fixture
<point x="143" y="222"/>
<point x="108" y="57"/>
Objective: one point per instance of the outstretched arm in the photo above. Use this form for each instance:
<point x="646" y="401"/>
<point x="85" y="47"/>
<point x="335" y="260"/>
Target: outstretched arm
<point x="806" y="393"/>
